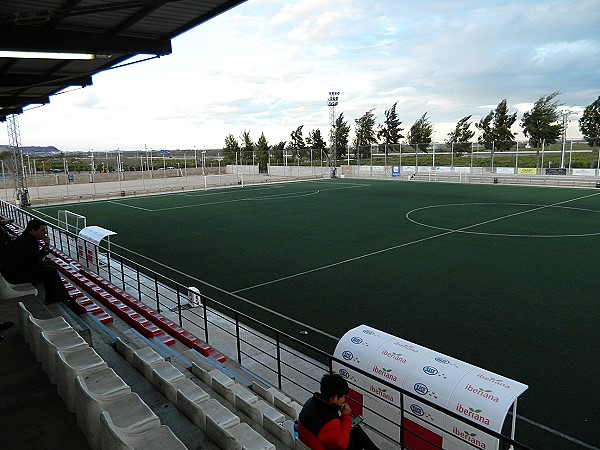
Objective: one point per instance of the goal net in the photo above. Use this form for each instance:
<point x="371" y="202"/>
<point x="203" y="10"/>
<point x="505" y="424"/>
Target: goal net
<point x="71" y="221"/>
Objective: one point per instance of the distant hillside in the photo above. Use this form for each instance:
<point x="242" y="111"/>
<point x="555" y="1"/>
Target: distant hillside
<point x="49" y="150"/>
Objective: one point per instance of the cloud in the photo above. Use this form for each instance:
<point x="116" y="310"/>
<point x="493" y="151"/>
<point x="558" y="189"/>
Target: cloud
<point x="267" y="66"/>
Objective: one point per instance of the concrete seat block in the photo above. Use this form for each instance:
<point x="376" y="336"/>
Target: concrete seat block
<point x="35" y="327"/>
<point x="23" y="314"/>
<point x="9" y="290"/>
<point x="264" y="392"/>
<point x="125" y="416"/>
<point x="94" y="391"/>
<point x="291" y="409"/>
<point x="157" y="438"/>
<point x="124" y="349"/>
<point x="144" y="359"/>
<point x="51" y="342"/>
<point x="250" y="438"/>
<point x="237" y="437"/>
<point x="202" y="373"/>
<point x="189" y="397"/>
<point x="219" y="414"/>
<point x="164" y="378"/>
<point x="69" y="364"/>
<point x="230" y="392"/>
<point x="219" y="379"/>
<point x="257" y="410"/>
<point x="280" y="430"/>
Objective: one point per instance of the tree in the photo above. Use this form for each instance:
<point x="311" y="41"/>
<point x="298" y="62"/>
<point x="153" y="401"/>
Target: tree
<point x="589" y="125"/>
<point x="297" y="145"/>
<point x="277" y="151"/>
<point x="340" y="133"/>
<point x="495" y="128"/>
<point x="390" y="131"/>
<point x="231" y="148"/>
<point x="315" y="141"/>
<point x="247" y="147"/>
<point x="365" y="134"/>
<point x="420" y="133"/>
<point x="459" y="139"/>
<point x="541" y="124"/>
<point x="262" y="153"/>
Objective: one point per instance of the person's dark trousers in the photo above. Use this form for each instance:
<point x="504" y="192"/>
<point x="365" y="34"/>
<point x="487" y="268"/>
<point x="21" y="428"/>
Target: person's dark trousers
<point x="53" y="285"/>
<point x="359" y="440"/>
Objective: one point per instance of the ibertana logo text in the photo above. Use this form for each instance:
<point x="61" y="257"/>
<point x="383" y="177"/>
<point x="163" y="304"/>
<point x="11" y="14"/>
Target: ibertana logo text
<point x="485" y="393"/>
<point x="474" y="414"/>
<point x="386" y="373"/>
<point x="469" y="437"/>
<point x="381" y="393"/>
<point x="395" y="356"/>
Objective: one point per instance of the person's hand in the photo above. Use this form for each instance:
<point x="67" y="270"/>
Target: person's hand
<point x="46" y="240"/>
<point x="346" y="408"/>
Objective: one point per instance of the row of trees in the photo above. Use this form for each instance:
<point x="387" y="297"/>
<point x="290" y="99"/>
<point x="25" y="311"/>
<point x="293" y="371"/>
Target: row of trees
<point x="544" y="124"/>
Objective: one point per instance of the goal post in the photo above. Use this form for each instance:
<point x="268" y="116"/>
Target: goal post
<point x="71" y="221"/>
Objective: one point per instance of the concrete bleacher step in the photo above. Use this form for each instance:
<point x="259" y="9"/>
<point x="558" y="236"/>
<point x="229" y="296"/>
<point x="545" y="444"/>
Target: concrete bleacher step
<point x="89" y="387"/>
<point x="70" y="364"/>
<point x="51" y="342"/>
<point x="214" y="418"/>
<point x="126" y="415"/>
<point x="94" y="392"/>
<point x="156" y="438"/>
<point x="10" y="290"/>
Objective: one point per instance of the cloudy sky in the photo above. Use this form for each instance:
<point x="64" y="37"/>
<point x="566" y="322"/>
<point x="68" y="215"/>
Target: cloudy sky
<point x="267" y="67"/>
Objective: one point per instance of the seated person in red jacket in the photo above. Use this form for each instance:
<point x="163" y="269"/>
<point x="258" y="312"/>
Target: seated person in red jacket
<point x="325" y="422"/>
<point x="24" y="262"/>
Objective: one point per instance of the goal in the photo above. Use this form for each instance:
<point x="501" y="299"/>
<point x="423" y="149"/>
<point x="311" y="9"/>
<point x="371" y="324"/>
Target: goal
<point x="71" y="221"/>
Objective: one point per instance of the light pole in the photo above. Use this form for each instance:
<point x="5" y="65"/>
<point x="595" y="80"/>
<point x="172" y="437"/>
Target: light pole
<point x="565" y="123"/>
<point x="332" y="102"/>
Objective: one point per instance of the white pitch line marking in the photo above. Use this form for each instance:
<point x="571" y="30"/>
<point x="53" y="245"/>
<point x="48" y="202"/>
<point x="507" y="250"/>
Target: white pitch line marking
<point x="406" y="244"/>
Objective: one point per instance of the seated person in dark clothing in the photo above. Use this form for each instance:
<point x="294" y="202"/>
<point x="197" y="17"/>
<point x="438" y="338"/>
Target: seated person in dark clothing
<point x="325" y="422"/>
<point x="24" y="262"/>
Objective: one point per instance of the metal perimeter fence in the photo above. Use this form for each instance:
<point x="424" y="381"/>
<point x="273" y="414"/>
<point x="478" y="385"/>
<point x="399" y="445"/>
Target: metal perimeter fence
<point x="264" y="351"/>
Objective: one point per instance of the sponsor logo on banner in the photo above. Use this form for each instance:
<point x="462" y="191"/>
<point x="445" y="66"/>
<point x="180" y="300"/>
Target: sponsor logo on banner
<point x="417" y="410"/>
<point x="420" y="412"/>
<point x="485" y="393"/>
<point x="395" y="356"/>
<point x="496" y="381"/>
<point x="385" y="373"/>
<point x="407" y="347"/>
<point x="383" y="393"/>
<point x="469" y="437"/>
<point x="356" y="340"/>
<point x="344" y="373"/>
<point x="475" y="415"/>
<point x="430" y="370"/>
<point x="527" y="170"/>
<point x="420" y="388"/>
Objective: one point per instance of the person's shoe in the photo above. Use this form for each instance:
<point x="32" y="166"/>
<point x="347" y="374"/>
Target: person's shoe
<point x="6" y="325"/>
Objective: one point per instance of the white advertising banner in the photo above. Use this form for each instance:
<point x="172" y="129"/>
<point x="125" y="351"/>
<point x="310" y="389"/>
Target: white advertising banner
<point x="510" y="170"/>
<point x="462" y="169"/>
<point x="443" y="169"/>
<point x="584" y="172"/>
<point x="479" y="395"/>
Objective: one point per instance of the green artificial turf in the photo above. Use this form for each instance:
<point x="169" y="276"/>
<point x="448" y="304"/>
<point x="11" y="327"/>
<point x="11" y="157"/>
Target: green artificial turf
<point x="503" y="277"/>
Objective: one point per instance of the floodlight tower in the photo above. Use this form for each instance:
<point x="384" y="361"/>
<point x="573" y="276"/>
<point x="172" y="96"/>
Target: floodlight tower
<point x="14" y="140"/>
<point x="565" y="123"/>
<point x="332" y="103"/>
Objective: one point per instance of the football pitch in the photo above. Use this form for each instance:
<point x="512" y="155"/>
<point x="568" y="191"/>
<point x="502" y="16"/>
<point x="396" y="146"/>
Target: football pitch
<point x="503" y="277"/>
